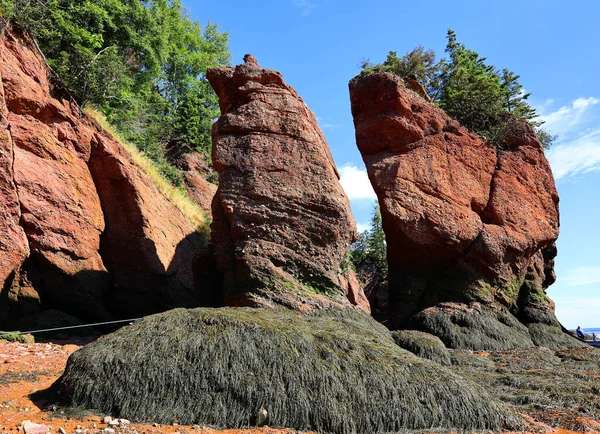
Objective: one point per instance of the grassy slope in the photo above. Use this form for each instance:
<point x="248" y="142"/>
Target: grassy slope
<point x="176" y="196"/>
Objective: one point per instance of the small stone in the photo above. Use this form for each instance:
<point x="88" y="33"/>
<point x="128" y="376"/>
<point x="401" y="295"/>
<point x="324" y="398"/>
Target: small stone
<point x="108" y="431"/>
<point x="124" y="422"/>
<point x="262" y="417"/>
<point x="106" y="419"/>
<point x="34" y="428"/>
<point x="62" y="431"/>
<point x="114" y="422"/>
<point x="154" y="424"/>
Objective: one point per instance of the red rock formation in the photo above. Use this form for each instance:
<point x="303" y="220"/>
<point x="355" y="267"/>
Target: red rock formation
<point x="282" y="223"/>
<point x="148" y="245"/>
<point x="13" y="242"/>
<point x="464" y="222"/>
<point x="59" y="229"/>
<point x="195" y="173"/>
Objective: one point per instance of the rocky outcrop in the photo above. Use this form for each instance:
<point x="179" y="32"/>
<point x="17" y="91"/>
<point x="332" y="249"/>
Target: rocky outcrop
<point x="281" y="222"/>
<point x="148" y="245"/>
<point x="196" y="174"/>
<point x="80" y="222"/>
<point x="470" y="229"/>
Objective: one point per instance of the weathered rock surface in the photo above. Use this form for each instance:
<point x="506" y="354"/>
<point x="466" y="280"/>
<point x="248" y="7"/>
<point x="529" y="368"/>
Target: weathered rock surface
<point x="148" y="245"/>
<point x="195" y="176"/>
<point x="71" y="238"/>
<point x="281" y="222"/>
<point x="468" y="227"/>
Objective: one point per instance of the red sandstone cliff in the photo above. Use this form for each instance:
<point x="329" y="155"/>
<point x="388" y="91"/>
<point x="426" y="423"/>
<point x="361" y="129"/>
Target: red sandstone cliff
<point x="282" y="223"/>
<point x="470" y="229"/>
<point x="82" y="229"/>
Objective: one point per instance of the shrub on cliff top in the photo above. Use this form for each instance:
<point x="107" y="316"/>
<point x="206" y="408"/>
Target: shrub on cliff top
<point x="467" y="88"/>
<point x="328" y="371"/>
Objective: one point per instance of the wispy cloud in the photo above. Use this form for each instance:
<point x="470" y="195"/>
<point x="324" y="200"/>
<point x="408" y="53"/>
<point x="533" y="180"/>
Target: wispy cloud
<point x="578" y="148"/>
<point x="305" y="6"/>
<point x="356" y="183"/>
<point x="581" y="155"/>
<point x="579" y="276"/>
<point x="324" y="124"/>
<point x="568" y="117"/>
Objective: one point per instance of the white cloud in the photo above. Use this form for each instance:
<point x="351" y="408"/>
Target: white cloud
<point x="575" y="157"/>
<point x="579" y="276"/>
<point x="361" y="227"/>
<point x="305" y="6"/>
<point x="567" y="117"/>
<point x="356" y="183"/>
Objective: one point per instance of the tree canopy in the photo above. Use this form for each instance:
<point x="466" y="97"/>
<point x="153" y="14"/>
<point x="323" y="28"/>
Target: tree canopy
<point x="473" y="92"/>
<point x="140" y="62"/>
<point x="370" y="248"/>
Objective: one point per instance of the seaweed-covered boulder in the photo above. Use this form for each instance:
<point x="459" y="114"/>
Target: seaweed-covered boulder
<point x="422" y="344"/>
<point x="334" y="371"/>
<point x="465" y="223"/>
<point x="282" y="223"/>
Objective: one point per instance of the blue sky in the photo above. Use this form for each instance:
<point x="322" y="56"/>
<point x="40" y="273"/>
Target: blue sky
<point x="553" y="45"/>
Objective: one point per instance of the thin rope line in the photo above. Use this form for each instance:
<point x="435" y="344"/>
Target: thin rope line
<point x="69" y="327"/>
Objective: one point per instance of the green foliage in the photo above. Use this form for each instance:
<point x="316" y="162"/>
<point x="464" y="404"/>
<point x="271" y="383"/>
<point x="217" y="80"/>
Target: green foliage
<point x="370" y="248"/>
<point x="140" y="62"/>
<point x="473" y="92"/>
<point x="16" y="337"/>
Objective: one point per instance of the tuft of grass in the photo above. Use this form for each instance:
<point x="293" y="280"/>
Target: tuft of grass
<point x="175" y="195"/>
<point x="330" y="371"/>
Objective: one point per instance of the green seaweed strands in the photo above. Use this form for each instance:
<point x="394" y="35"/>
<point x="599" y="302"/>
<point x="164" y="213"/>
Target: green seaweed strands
<point x="333" y="371"/>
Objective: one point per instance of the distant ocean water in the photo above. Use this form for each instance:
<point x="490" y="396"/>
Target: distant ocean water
<point x="589" y="331"/>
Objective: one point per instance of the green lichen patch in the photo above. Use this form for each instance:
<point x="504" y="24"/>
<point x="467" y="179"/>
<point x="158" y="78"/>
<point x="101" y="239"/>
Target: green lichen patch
<point x="332" y="371"/>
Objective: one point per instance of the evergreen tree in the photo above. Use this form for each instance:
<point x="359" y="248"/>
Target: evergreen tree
<point x="468" y="89"/>
<point x="370" y="248"/>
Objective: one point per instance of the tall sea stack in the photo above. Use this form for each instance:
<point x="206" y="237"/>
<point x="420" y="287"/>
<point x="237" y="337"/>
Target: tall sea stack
<point x="470" y="228"/>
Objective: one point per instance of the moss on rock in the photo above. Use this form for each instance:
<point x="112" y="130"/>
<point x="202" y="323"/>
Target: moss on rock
<point x="336" y="371"/>
<point x="16" y="337"/>
<point x="423" y="345"/>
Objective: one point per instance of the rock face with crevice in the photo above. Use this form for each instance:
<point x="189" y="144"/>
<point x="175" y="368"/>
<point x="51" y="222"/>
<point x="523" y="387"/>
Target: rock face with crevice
<point x="196" y="173"/>
<point x="470" y="229"/>
<point x="281" y="222"/>
<point x="79" y="221"/>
